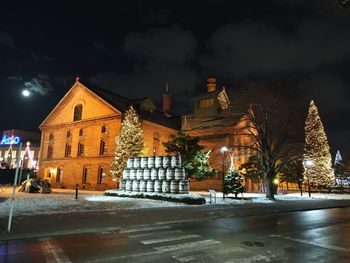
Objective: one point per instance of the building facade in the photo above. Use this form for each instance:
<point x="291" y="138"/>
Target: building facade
<point x="78" y="136"/>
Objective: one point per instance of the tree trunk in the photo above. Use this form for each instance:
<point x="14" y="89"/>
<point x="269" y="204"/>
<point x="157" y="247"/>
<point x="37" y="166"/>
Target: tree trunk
<point x="270" y="188"/>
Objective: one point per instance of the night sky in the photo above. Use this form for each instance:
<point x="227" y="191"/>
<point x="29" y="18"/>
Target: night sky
<point x="135" y="47"/>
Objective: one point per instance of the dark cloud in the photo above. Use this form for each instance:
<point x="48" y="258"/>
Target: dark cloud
<point x="255" y="47"/>
<point x="7" y="41"/>
<point x="158" y="56"/>
<point x="102" y="48"/>
<point x="38" y="58"/>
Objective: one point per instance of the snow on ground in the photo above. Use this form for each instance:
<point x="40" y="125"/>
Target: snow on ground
<point x="63" y="201"/>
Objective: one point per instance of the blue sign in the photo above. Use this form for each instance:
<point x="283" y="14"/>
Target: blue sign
<point x="6" y="140"/>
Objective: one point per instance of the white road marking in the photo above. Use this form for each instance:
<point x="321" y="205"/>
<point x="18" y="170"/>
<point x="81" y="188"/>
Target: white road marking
<point x="190" y="258"/>
<point x="167" y="239"/>
<point x="53" y="253"/>
<point x="187" y="245"/>
<point x="342" y="249"/>
<point x="156" y="233"/>
<point x="146" y="228"/>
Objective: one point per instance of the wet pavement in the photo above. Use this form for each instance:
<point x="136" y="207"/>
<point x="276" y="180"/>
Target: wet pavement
<point x="306" y="236"/>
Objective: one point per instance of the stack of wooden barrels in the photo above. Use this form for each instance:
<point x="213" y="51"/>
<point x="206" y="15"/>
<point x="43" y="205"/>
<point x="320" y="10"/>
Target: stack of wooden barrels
<point x="159" y="174"/>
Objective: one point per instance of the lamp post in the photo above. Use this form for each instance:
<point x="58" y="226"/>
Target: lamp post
<point x="223" y="150"/>
<point x="308" y="164"/>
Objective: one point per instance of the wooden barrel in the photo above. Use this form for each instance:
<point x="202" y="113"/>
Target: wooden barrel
<point x="135" y="186"/>
<point x="170" y="173"/>
<point x="122" y="184"/>
<point x="161" y="173"/>
<point x="165" y="186"/>
<point x="174" y="187"/>
<point x="175" y="161"/>
<point x="150" y="186"/>
<point x="166" y="161"/>
<point x="143" y="185"/>
<point x="132" y="174"/>
<point x="144" y="162"/>
<point x="139" y="174"/>
<point x="128" y="185"/>
<point x="130" y="163"/>
<point x="151" y="162"/>
<point x="184" y="187"/>
<point x="146" y="174"/>
<point x="159" y="161"/>
<point x="154" y="174"/>
<point x="179" y="173"/>
<point x="126" y="173"/>
<point x="158" y="186"/>
<point x="137" y="162"/>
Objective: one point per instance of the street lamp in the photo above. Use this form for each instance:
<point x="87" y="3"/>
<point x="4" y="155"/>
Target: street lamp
<point x="308" y="164"/>
<point x="223" y="150"/>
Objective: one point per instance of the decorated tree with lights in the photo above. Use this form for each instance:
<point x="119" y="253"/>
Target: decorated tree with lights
<point x="233" y="183"/>
<point x="129" y="143"/>
<point x="317" y="157"/>
<point x="339" y="169"/>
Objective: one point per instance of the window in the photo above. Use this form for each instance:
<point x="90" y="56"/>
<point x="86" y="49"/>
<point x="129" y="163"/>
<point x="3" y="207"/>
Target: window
<point x="49" y="151"/>
<point x="103" y="129"/>
<point x="80" y="149"/>
<point x="101" y="178"/>
<point x="156" y="140"/>
<point x="81" y="132"/>
<point x="51" y="137"/>
<point x="103" y="147"/>
<point x="58" y="175"/>
<point x="68" y="150"/>
<point x="206" y="103"/>
<point x="85" y="178"/>
<point x="78" y="112"/>
<point x="69" y="134"/>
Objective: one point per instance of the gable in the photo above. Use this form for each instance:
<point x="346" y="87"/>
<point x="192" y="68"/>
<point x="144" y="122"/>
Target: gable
<point x="92" y="106"/>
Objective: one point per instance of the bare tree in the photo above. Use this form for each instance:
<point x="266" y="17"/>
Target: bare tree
<point x="271" y="125"/>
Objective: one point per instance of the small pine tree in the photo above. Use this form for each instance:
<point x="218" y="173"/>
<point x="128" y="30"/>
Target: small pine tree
<point x="317" y="157"/>
<point x="129" y="143"/>
<point x="233" y="183"/>
<point x="339" y="169"/>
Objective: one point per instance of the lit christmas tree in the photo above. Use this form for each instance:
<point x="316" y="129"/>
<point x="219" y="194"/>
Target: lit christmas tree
<point x="339" y="169"/>
<point x="317" y="157"/>
<point x="129" y="143"/>
<point x="233" y="183"/>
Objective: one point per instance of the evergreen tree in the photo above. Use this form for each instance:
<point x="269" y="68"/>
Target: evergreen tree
<point x="317" y="157"/>
<point x="129" y="142"/>
<point x="339" y="169"/>
<point x="233" y="183"/>
<point x="194" y="160"/>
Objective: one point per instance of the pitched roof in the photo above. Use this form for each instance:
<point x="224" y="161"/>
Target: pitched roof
<point x="121" y="103"/>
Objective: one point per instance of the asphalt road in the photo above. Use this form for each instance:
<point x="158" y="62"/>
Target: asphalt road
<point x="309" y="236"/>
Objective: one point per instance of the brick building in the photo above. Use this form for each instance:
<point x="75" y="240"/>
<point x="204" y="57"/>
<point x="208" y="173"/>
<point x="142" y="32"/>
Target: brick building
<point x="214" y="121"/>
<point x="78" y="136"/>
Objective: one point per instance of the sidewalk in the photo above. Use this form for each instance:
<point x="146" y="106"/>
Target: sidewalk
<point x="119" y="216"/>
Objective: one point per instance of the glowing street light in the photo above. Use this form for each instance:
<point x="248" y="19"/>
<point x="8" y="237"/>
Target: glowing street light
<point x="308" y="164"/>
<point x="223" y="150"/>
<point x="26" y="93"/>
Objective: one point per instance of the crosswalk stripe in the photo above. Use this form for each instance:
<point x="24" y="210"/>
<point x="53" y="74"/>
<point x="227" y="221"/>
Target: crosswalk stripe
<point x="187" y="245"/>
<point x="53" y="253"/>
<point x="172" y="232"/>
<point x="190" y="258"/>
<point x="147" y="228"/>
<point x="167" y="239"/>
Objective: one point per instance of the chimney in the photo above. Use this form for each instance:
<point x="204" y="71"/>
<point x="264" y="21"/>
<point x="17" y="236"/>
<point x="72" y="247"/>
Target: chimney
<point x="211" y="84"/>
<point x="166" y="100"/>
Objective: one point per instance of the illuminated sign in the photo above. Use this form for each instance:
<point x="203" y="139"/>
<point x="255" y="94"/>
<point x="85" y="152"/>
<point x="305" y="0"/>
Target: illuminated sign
<point x="6" y="140"/>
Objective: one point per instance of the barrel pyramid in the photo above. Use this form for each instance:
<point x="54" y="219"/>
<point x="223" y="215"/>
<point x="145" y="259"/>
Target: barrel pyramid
<point x="158" y="174"/>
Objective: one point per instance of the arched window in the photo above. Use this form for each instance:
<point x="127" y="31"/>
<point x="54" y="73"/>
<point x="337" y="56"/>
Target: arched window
<point x="78" y="112"/>
<point x="69" y="134"/>
<point x="81" y="149"/>
<point x="103" y="129"/>
<point x="49" y="151"/>
<point x="68" y="150"/>
<point x="51" y="137"/>
<point x="81" y="132"/>
<point x="101" y="177"/>
<point x="103" y="147"/>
